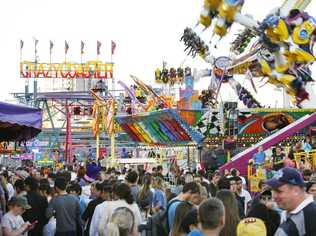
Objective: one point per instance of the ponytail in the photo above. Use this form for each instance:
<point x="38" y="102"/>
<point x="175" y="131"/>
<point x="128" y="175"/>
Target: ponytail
<point x="113" y="229"/>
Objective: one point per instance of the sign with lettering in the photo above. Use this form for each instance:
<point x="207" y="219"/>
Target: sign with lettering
<point x="67" y="70"/>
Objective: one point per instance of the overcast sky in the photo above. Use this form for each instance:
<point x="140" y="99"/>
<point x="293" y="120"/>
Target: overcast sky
<point x="146" y="33"/>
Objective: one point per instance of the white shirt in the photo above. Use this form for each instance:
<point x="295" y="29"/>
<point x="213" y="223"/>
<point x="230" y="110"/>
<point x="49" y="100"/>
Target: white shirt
<point x="244" y="193"/>
<point x="309" y="199"/>
<point x="11" y="191"/>
<point x="12" y="222"/>
<point x="103" y="212"/>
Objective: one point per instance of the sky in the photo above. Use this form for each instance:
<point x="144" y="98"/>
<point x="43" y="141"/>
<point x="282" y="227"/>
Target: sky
<point x="146" y="33"/>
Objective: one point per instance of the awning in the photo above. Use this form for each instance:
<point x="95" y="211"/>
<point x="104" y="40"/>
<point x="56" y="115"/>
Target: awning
<point x="19" y="123"/>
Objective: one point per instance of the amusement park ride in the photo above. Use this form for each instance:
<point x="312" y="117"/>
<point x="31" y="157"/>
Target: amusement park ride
<point x="279" y="49"/>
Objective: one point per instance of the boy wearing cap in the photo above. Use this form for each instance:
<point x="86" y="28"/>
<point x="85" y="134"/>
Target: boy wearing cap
<point x="12" y="222"/>
<point x="289" y="193"/>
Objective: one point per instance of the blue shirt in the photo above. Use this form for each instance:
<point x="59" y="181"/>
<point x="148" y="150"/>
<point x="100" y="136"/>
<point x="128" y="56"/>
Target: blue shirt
<point x="259" y="158"/>
<point x="172" y="212"/>
<point x="160" y="199"/>
<point x="195" y="233"/>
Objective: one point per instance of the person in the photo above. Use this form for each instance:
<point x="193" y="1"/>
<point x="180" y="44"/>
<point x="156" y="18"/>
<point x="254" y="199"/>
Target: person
<point x="251" y="227"/>
<point x="311" y="189"/>
<point x="159" y="199"/>
<point x="121" y="222"/>
<point x="213" y="186"/>
<point x="38" y="205"/>
<point x="231" y="212"/>
<point x="278" y="158"/>
<point x="210" y="226"/>
<point x="259" y="157"/>
<point x="264" y="209"/>
<point x="132" y="179"/>
<point x="145" y="196"/>
<point x="190" y="192"/>
<point x="66" y="209"/>
<point x="20" y="188"/>
<point x="12" y="222"/>
<point x="76" y="190"/>
<point x="289" y="193"/>
<point x="240" y="191"/>
<point x="190" y="221"/>
<point x="104" y="211"/>
<point x="182" y="209"/>
<point x="105" y="190"/>
<point x="240" y="200"/>
<point x="307" y="144"/>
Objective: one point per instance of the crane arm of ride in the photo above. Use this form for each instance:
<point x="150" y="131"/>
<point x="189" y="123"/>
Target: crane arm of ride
<point x="240" y="161"/>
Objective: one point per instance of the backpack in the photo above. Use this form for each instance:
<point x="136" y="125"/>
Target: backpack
<point x="157" y="225"/>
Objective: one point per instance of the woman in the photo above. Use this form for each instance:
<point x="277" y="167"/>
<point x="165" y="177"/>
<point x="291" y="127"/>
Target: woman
<point x="121" y="222"/>
<point x="123" y="198"/>
<point x="145" y="196"/>
<point x="160" y="199"/>
<point x="231" y="212"/>
<point x="182" y="209"/>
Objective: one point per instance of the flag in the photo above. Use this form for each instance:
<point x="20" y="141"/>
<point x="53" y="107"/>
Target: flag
<point x="66" y="47"/>
<point x="51" y="45"/>
<point x="82" y="46"/>
<point x="36" y="42"/>
<point x="113" y="46"/>
<point x="98" y="47"/>
<point x="21" y="44"/>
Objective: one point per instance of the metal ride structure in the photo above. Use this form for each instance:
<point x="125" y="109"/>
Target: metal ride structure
<point x="278" y="48"/>
<point x="67" y="114"/>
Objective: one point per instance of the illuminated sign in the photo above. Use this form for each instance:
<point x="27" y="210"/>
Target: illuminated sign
<point x="89" y="69"/>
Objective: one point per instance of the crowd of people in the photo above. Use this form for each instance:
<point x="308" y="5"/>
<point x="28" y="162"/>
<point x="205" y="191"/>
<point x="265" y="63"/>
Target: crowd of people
<point x="90" y="200"/>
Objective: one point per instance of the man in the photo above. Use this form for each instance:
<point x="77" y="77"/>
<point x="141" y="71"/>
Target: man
<point x="213" y="186"/>
<point x="240" y="199"/>
<point x="38" y="207"/>
<point x="241" y="192"/>
<point x="259" y="157"/>
<point x="289" y="193"/>
<point x="20" y="188"/>
<point x="131" y="180"/>
<point x="190" y="193"/>
<point x="104" y="190"/>
<point x="210" y="226"/>
<point x="66" y="209"/>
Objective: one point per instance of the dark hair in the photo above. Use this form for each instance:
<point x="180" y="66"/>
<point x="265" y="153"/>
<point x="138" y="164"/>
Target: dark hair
<point x="159" y="168"/>
<point x="182" y="209"/>
<point x="60" y="183"/>
<point x="231" y="212"/>
<point x="211" y="207"/>
<point x="74" y="187"/>
<point x="190" y="218"/>
<point x="52" y="175"/>
<point x="123" y="191"/>
<point x="32" y="183"/>
<point x="131" y="176"/>
<point x="233" y="172"/>
<point x="145" y="188"/>
<point x="223" y="183"/>
<point x="307" y="172"/>
<point x="19" y="184"/>
<point x="46" y="188"/>
<point x="309" y="185"/>
<point x="192" y="187"/>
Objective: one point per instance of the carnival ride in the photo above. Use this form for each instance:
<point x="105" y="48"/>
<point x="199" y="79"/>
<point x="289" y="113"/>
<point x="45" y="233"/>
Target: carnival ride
<point x="281" y="48"/>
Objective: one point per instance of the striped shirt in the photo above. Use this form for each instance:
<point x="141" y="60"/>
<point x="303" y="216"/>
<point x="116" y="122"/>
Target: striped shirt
<point x="300" y="221"/>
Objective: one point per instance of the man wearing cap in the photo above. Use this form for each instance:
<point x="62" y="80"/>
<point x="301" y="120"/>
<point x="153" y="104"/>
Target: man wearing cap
<point x="12" y="222"/>
<point x="289" y="193"/>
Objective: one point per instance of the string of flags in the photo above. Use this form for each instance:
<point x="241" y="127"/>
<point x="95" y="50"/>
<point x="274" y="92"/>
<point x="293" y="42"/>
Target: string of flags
<point x="66" y="47"/>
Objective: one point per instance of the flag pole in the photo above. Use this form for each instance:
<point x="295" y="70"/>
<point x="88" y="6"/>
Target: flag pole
<point x="113" y="95"/>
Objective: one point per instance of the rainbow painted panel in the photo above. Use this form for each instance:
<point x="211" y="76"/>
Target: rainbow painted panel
<point x="163" y="127"/>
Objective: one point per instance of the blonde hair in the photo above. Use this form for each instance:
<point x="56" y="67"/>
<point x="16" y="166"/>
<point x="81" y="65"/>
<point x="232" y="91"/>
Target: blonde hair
<point x="121" y="222"/>
<point x="158" y="183"/>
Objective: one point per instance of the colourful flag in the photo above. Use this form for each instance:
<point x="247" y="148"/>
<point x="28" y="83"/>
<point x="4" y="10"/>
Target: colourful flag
<point x="98" y="47"/>
<point x="82" y="46"/>
<point x="51" y="45"/>
<point x="21" y="44"/>
<point x="113" y="46"/>
<point x="66" y="47"/>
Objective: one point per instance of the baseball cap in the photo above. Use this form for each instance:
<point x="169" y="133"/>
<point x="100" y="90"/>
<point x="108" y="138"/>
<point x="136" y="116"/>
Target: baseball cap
<point x="20" y="201"/>
<point x="250" y="227"/>
<point x="286" y="175"/>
